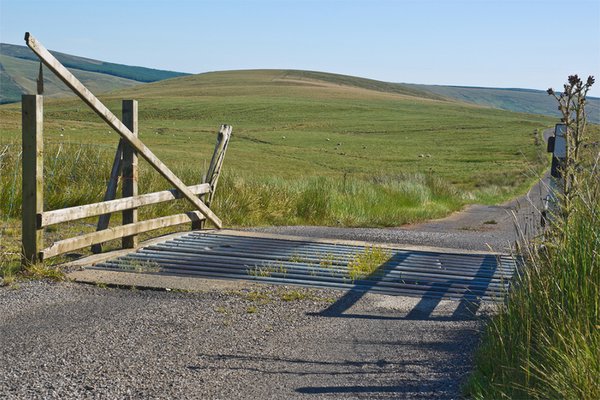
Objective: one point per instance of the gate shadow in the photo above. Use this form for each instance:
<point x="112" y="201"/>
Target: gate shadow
<point x="466" y="309"/>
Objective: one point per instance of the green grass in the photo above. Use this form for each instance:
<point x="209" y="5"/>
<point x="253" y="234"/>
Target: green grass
<point x="288" y="126"/>
<point x="545" y="341"/>
<point x="368" y="262"/>
<point x="78" y="174"/>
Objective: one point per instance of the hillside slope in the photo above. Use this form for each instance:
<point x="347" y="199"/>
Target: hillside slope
<point x="19" y="70"/>
<point x="280" y="82"/>
<point x="19" y="77"/>
<point x="519" y="100"/>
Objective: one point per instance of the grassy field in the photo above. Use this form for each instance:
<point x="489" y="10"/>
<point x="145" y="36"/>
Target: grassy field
<point x="309" y="148"/>
<point x="292" y="125"/>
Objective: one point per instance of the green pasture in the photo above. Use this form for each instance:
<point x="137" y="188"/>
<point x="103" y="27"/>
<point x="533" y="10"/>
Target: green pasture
<point x="292" y="124"/>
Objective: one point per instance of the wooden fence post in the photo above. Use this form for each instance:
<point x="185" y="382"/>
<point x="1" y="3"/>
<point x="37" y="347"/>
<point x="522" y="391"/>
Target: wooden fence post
<point x="33" y="177"/>
<point x="130" y="169"/>
<point x="214" y="169"/>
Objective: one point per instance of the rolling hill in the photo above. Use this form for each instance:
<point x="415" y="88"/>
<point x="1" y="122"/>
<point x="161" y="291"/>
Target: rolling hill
<point x="19" y="68"/>
<point x="519" y="100"/>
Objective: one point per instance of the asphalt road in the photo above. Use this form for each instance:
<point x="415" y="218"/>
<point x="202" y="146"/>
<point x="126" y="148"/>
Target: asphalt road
<point x="73" y="341"/>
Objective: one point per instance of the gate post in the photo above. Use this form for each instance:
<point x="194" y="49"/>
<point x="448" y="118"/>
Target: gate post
<point x="130" y="169"/>
<point x="33" y="177"/>
<point x="214" y="169"/>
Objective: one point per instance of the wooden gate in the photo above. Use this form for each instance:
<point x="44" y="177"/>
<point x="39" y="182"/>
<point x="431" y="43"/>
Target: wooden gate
<point x="35" y="219"/>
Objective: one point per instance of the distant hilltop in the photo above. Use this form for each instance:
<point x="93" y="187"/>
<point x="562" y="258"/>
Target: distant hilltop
<point x="19" y="70"/>
<point x="520" y="100"/>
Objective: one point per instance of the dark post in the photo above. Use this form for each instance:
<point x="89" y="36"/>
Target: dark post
<point x="130" y="169"/>
<point x="557" y="145"/>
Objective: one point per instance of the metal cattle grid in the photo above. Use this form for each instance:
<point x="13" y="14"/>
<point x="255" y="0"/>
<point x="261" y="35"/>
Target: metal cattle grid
<point x="277" y="260"/>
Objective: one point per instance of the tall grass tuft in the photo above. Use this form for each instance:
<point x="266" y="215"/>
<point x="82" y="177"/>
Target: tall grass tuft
<point x="545" y="342"/>
<point x="348" y="201"/>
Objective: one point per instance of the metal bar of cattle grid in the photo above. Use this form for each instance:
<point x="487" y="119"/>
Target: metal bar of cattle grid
<point x="301" y="262"/>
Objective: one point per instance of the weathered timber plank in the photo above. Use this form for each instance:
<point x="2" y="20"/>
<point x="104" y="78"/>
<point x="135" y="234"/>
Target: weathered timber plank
<point x="90" y="210"/>
<point x="80" y="90"/>
<point x="67" y="245"/>
<point x="130" y="170"/>
<point x="33" y="176"/>
<point x="214" y="170"/>
<point x="214" y="166"/>
<point x="111" y="192"/>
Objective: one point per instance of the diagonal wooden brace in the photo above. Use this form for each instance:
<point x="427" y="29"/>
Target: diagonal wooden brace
<point x="111" y="193"/>
<point x="77" y="87"/>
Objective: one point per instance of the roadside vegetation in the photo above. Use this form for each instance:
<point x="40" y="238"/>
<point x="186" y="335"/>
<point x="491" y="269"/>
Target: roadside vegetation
<point x="545" y="341"/>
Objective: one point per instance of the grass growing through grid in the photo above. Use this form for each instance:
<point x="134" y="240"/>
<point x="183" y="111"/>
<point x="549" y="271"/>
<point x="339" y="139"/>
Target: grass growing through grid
<point x="368" y="262"/>
<point x="545" y="342"/>
<point x="265" y="271"/>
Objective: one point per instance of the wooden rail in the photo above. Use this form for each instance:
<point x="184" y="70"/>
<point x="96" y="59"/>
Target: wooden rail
<point x="79" y="242"/>
<point x="35" y="219"/>
<point x="48" y="218"/>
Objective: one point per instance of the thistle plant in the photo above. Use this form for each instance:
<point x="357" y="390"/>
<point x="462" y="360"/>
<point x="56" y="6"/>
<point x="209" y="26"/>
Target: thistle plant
<point x="571" y="104"/>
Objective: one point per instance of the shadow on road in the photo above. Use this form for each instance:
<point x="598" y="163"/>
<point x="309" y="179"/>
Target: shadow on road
<point x="468" y="302"/>
<point x="296" y="366"/>
<point x="404" y="388"/>
<point x="359" y="366"/>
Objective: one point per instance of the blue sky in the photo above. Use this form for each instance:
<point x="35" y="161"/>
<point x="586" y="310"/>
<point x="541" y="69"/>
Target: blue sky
<point x="509" y="43"/>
